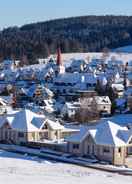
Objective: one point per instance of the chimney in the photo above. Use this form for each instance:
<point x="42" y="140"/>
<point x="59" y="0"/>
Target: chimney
<point x="59" y="61"/>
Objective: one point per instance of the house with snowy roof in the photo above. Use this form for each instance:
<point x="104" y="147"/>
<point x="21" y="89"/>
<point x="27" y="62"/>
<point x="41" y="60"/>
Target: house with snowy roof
<point x="25" y="126"/>
<point x="71" y="82"/>
<point x="5" y="104"/>
<point x="118" y="89"/>
<point x="69" y="110"/>
<point x="77" y="65"/>
<point x="106" y="141"/>
<point x="103" y="104"/>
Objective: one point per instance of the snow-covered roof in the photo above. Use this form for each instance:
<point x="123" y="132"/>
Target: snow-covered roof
<point x="25" y="120"/>
<point x="105" y="133"/>
<point x="102" y="100"/>
<point x="74" y="105"/>
<point x="2" y="102"/>
<point x="118" y="87"/>
<point x="54" y="125"/>
<point x="75" y="78"/>
<point x="7" y="99"/>
<point x="78" y="137"/>
<point x="38" y="122"/>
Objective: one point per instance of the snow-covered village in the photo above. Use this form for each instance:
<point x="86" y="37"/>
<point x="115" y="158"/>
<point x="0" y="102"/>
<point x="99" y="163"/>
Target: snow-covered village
<point x="71" y="108"/>
<point x="66" y="92"/>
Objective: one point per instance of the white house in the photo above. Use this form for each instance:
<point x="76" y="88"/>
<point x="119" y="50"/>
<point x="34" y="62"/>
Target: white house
<point x="118" y="89"/>
<point x="103" y="104"/>
<point x="69" y="110"/>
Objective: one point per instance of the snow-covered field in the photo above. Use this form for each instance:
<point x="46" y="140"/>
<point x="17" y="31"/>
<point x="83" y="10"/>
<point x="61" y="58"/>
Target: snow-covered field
<point x="120" y="56"/>
<point x="23" y="169"/>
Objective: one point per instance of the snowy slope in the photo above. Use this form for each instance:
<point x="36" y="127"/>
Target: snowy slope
<point x="127" y="49"/>
<point x="125" y="57"/>
<point x="18" y="169"/>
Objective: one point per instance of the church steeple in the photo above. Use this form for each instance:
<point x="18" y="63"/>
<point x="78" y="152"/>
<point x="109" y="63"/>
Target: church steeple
<point x="59" y="59"/>
<point x="60" y="69"/>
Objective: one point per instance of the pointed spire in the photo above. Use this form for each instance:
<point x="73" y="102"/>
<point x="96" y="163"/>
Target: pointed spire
<point x="59" y="59"/>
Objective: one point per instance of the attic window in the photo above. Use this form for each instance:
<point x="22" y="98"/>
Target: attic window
<point x="45" y="126"/>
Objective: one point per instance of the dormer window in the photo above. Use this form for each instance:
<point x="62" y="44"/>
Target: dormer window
<point x="45" y="127"/>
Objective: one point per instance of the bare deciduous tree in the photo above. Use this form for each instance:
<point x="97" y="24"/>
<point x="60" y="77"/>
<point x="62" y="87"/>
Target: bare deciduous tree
<point x="88" y="110"/>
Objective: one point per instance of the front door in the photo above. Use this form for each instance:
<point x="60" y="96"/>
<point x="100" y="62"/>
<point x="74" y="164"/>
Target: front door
<point x="90" y="149"/>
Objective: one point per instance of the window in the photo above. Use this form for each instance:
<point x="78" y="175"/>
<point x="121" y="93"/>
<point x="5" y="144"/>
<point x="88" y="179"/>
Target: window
<point x="21" y="134"/>
<point x="75" y="146"/>
<point x="106" y="150"/>
<point x="89" y="85"/>
<point x="56" y="133"/>
<point x="33" y="135"/>
<point x="119" y="150"/>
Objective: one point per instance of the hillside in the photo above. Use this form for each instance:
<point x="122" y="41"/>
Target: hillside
<point x="77" y="34"/>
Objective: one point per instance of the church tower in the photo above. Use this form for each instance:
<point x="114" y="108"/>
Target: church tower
<point x="60" y="69"/>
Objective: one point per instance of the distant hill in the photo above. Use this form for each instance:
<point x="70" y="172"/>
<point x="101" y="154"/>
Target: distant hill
<point x="77" y="34"/>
